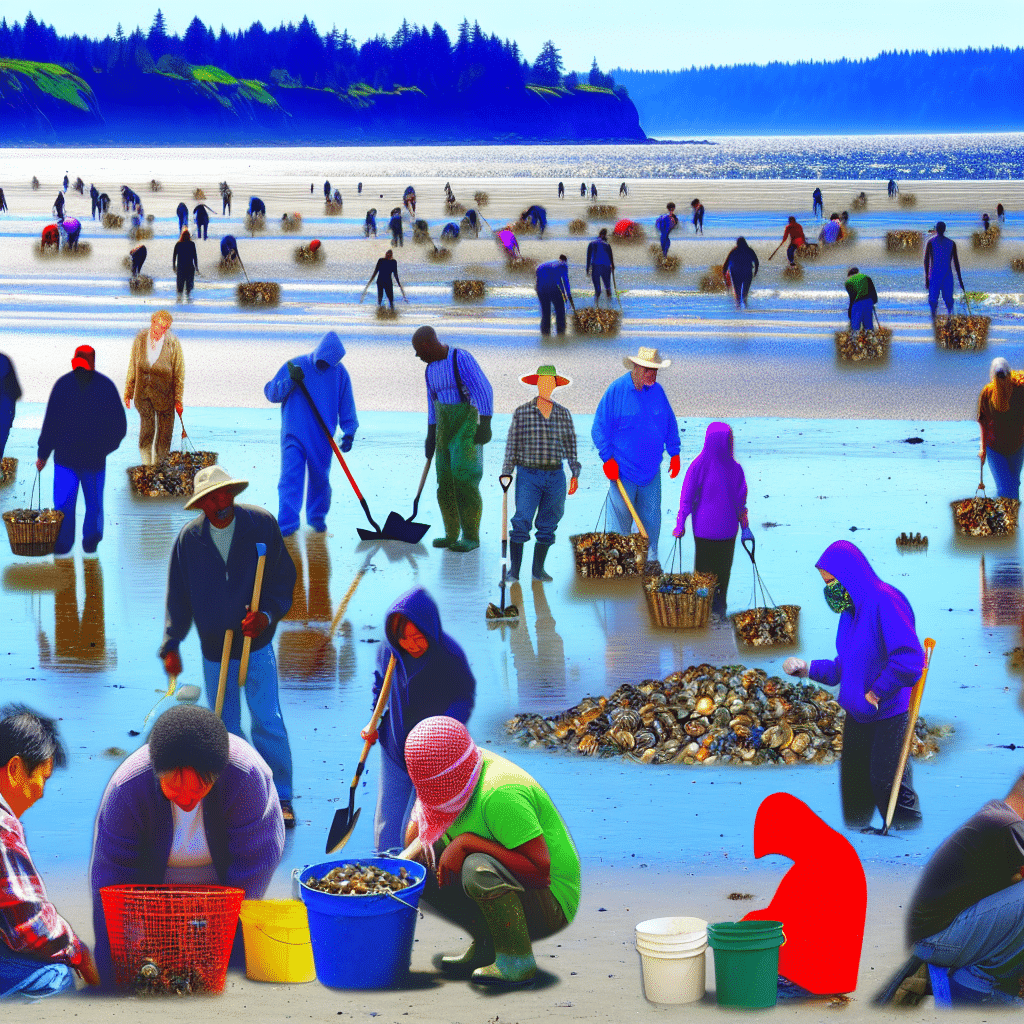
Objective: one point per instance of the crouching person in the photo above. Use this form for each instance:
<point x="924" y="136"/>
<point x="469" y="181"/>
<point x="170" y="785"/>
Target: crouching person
<point x="193" y="806"/>
<point x="39" y="950"/>
<point x="501" y="862"/>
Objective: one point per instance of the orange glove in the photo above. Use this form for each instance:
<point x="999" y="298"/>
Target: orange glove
<point x="611" y="469"/>
<point x="673" y="467"/>
<point x="179" y="408"/>
<point x="573" y="484"/>
<point x="172" y="663"/>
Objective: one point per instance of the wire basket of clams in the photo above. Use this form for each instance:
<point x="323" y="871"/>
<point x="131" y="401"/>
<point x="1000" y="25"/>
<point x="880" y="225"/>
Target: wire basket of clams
<point x="762" y="627"/>
<point x="259" y="293"/>
<point x="713" y="281"/>
<point x="593" y="320"/>
<point x="903" y="242"/>
<point x="469" y="289"/>
<point x="680" y="600"/>
<point x="602" y="211"/>
<point x="33" y="531"/>
<point x="986" y="239"/>
<point x="171" y="477"/>
<point x="911" y="542"/>
<point x="863" y="345"/>
<point x="8" y="470"/>
<point x="578" y="226"/>
<point x="982" y="516"/>
<point x="962" y="332"/>
<point x="291" y="223"/>
<point x="608" y="556"/>
<point x="908" y="199"/>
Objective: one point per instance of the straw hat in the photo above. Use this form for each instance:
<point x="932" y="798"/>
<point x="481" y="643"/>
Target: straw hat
<point x="210" y="479"/>
<point x="647" y="357"/>
<point x="546" y="371"/>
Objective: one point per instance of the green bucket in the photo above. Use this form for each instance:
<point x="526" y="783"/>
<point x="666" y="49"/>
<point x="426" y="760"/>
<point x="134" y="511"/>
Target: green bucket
<point x="746" y="962"/>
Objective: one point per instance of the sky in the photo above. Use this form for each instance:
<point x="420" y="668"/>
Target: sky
<point x="665" y="35"/>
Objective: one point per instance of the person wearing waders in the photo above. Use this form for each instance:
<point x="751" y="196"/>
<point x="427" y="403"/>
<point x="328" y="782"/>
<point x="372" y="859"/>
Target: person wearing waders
<point x="863" y="299"/>
<point x="202" y="215"/>
<point x="583" y="190"/>
<point x="561" y="190"/>
<point x="10" y="392"/>
<point x="210" y="582"/>
<point x="337" y="197"/>
<point x="795" y="233"/>
<point x="327" y="191"/>
<point x="432" y="677"/>
<point x="370" y="225"/>
<point x="501" y="863"/>
<point x="623" y="191"/>
<point x="1000" y="212"/>
<point x="893" y="188"/>
<point x="185" y="263"/>
<point x="182" y="211"/>
<point x="698" y="216"/>
<point x="540" y="437"/>
<point x="450" y="232"/>
<point x="1001" y="417"/>
<point x="359" y="189"/>
<point x="397" y="229"/>
<point x="257" y="208"/>
<point x="83" y="424"/>
<point x="104" y="202"/>
<point x="600" y="264"/>
<point x="229" y="248"/>
<point x="58" y="205"/>
<point x="740" y="268"/>
<point x="665" y="224"/>
<point x="460" y="403"/>
<point x="879" y="659"/>
<point x="509" y="243"/>
<point x="384" y="271"/>
<point x="225" y="205"/>
<point x="817" y="204"/>
<point x="633" y="426"/>
<point x="409" y="200"/>
<point x="553" y="290"/>
<point x="940" y="257"/>
<point x="306" y="454"/>
<point x="715" y="494"/>
<point x="537" y="216"/>
<point x="138" y="255"/>
<point x="94" y="196"/>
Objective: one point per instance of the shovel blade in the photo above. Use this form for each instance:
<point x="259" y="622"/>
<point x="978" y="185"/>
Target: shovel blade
<point x="369" y="534"/>
<point x="341" y="829"/>
<point x="397" y="528"/>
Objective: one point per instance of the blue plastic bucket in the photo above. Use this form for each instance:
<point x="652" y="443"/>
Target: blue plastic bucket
<point x="362" y="941"/>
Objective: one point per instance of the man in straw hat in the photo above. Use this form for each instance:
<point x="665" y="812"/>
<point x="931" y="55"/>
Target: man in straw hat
<point x="634" y="424"/>
<point x="210" y="582"/>
<point x="1001" y="415"/>
<point x="541" y="435"/>
<point x="501" y="862"/>
<point x="84" y="423"/>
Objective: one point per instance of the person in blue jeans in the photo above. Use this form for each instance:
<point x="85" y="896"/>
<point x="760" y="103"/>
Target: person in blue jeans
<point x="600" y="264"/>
<point x="540" y="437"/>
<point x="740" y="268"/>
<point x="83" y="424"/>
<point x="210" y="582"/>
<point x="863" y="299"/>
<point x="182" y="211"/>
<point x="370" y="224"/>
<point x="1001" y="417"/>
<point x="940" y="257"/>
<point x="665" y="224"/>
<point x="817" y="204"/>
<point x="553" y="290"/>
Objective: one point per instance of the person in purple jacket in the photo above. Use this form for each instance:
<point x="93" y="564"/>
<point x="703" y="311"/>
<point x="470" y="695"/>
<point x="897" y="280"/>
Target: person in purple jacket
<point x="715" y="494"/>
<point x="192" y="806"/>
<point x="879" y="660"/>
<point x="432" y="677"/>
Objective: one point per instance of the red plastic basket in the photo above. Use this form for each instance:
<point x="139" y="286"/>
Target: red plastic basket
<point x="172" y="939"/>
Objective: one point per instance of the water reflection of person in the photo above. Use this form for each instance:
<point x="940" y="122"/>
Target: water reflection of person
<point x="79" y="644"/>
<point x="305" y="656"/>
<point x="1002" y="599"/>
<point x="541" y="674"/>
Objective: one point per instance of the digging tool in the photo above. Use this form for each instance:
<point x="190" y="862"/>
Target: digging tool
<point x="511" y="612"/>
<point x="225" y="661"/>
<point x="172" y="682"/>
<point x="777" y="248"/>
<point x="915" y="706"/>
<point x="376" y="533"/>
<point x="398" y="528"/>
<point x="242" y="265"/>
<point x="632" y="511"/>
<point x="616" y="287"/>
<point x="344" y="819"/>
<point x="254" y="606"/>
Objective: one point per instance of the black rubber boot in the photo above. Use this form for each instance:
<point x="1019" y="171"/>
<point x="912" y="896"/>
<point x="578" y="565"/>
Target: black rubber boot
<point x="540" y="552"/>
<point x="516" y="551"/>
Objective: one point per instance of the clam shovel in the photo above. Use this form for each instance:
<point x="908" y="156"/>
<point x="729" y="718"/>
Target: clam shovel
<point x="511" y="613"/>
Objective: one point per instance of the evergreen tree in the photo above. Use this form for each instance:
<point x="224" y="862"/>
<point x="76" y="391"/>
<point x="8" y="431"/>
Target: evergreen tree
<point x="547" y="68"/>
<point x="156" y="41"/>
<point x="33" y="40"/>
<point x="195" y="43"/>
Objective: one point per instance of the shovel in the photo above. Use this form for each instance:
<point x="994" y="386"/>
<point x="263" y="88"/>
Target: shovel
<point x="172" y="682"/>
<point x="344" y="819"/>
<point x="397" y="528"/>
<point x="632" y="511"/>
<point x="511" y="612"/>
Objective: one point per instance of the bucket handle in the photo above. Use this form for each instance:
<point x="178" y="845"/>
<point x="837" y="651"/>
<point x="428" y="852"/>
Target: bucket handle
<point x="262" y="928"/>
<point x="409" y="905"/>
<point x="295" y="879"/>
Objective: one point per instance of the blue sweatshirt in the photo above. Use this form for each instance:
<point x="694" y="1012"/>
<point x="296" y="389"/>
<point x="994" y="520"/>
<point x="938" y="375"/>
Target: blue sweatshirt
<point x="599" y="254"/>
<point x="84" y="421"/>
<point x="635" y="428"/>
<point x="331" y="390"/>
<point x="551" y="273"/>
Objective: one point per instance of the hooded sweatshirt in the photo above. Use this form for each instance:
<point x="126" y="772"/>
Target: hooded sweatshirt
<point x="439" y="682"/>
<point x="714" y="488"/>
<point x="331" y="390"/>
<point x="877" y="644"/>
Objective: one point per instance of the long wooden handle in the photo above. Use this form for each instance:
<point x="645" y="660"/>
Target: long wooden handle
<point x="225" y="660"/>
<point x="378" y="712"/>
<point x="254" y="606"/>
<point x="632" y="511"/>
<point x="908" y="739"/>
<point x="340" y="613"/>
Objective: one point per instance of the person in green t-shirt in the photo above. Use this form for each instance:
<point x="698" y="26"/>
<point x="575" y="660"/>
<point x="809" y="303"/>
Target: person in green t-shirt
<point x="501" y="861"/>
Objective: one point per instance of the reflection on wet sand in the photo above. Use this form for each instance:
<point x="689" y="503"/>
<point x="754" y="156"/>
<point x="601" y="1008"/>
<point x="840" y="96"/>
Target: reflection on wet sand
<point x="540" y="673"/>
<point x="306" y="656"/>
<point x="1002" y="593"/>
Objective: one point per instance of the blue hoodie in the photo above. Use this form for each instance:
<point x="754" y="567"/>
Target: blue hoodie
<point x="439" y="682"/>
<point x="331" y="391"/>
<point x="877" y="642"/>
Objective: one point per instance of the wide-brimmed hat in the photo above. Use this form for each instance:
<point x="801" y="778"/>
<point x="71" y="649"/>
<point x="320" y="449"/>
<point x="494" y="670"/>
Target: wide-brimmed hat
<point x="546" y="371"/>
<point x="646" y="357"/>
<point x="210" y="479"/>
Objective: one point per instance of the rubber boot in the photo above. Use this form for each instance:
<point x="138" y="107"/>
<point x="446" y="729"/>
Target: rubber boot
<point x="513" y="961"/>
<point x="516" y="551"/>
<point x="540" y="552"/>
<point x="480" y="953"/>
<point x="450" y="516"/>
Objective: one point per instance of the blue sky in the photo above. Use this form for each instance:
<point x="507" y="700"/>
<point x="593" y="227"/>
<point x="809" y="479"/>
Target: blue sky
<point x="664" y="34"/>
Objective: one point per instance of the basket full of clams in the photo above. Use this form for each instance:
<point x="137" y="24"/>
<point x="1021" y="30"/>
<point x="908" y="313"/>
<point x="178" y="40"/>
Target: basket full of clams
<point x="606" y="556"/>
<point x="680" y="600"/>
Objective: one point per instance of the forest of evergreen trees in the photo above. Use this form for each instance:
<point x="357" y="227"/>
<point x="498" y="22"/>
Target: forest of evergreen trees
<point x="415" y="56"/>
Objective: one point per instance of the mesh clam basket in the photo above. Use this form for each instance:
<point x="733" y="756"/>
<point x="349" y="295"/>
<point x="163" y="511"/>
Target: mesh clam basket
<point x="170" y="939"/>
<point x="173" y="476"/>
<point x="608" y="556"/>
<point x="962" y="332"/>
<point x="765" y="625"/>
<point x="680" y="600"/>
<point x="33" y="531"/>
<point x="984" y="516"/>
<point x="8" y="470"/>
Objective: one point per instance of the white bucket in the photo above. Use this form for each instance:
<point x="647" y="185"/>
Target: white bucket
<point x="673" y="977"/>
<point x="672" y="933"/>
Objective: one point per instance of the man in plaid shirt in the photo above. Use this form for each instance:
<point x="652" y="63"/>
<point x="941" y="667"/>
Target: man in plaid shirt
<point x="541" y="436"/>
<point x="39" y="949"/>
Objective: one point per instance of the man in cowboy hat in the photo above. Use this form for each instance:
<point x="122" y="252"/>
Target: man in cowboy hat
<point x="633" y="426"/>
<point x="541" y="436"/>
<point x="211" y="577"/>
<point x="84" y="423"/>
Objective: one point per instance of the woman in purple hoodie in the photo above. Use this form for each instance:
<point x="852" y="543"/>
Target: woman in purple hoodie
<point x="715" y="494"/>
<point x="879" y="660"/>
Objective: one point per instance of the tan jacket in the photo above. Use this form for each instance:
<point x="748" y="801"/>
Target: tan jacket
<point x="163" y="383"/>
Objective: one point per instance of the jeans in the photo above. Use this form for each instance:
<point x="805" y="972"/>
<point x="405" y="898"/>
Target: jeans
<point x="296" y="465"/>
<point x="385" y="288"/>
<point x="871" y="753"/>
<point x="983" y="945"/>
<point x="269" y="736"/>
<point x="65" y="498"/>
<point x="943" y="285"/>
<point x="21" y="976"/>
<point x="818" y="208"/>
<point x="862" y="315"/>
<point x="601" y="275"/>
<point x="539" y="492"/>
<point x="665" y="243"/>
<point x="395" y="798"/>
<point x="791" y="251"/>
<point x="186" y="279"/>
<point x="646" y="500"/>
<point x="551" y="296"/>
<point x="741" y="288"/>
<point x="202" y="229"/>
<point x="1006" y="471"/>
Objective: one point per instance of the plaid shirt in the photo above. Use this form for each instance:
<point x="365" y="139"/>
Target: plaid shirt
<point x="29" y="922"/>
<point x="538" y="443"/>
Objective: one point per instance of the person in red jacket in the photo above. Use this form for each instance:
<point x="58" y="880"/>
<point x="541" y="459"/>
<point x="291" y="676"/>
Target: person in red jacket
<point x="795" y="233"/>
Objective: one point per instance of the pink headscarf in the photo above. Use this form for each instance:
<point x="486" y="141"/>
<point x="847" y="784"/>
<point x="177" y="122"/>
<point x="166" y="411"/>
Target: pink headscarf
<point x="444" y="764"/>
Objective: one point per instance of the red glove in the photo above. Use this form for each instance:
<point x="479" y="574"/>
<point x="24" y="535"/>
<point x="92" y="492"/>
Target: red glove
<point x="371" y="736"/>
<point x="611" y="469"/>
<point x="673" y="467"/>
<point x="254" y="623"/>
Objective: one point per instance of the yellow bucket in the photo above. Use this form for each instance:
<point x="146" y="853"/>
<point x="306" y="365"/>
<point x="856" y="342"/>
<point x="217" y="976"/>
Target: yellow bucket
<point x="277" y="945"/>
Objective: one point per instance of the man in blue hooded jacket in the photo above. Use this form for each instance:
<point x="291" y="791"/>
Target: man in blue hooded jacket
<point x="537" y="216"/>
<point x="305" y="448"/>
<point x="432" y="677"/>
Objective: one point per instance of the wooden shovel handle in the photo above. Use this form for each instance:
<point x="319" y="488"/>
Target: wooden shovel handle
<point x="225" y="660"/>
<point x="243" y="665"/>
<point x="378" y="713"/>
<point x="632" y="511"/>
